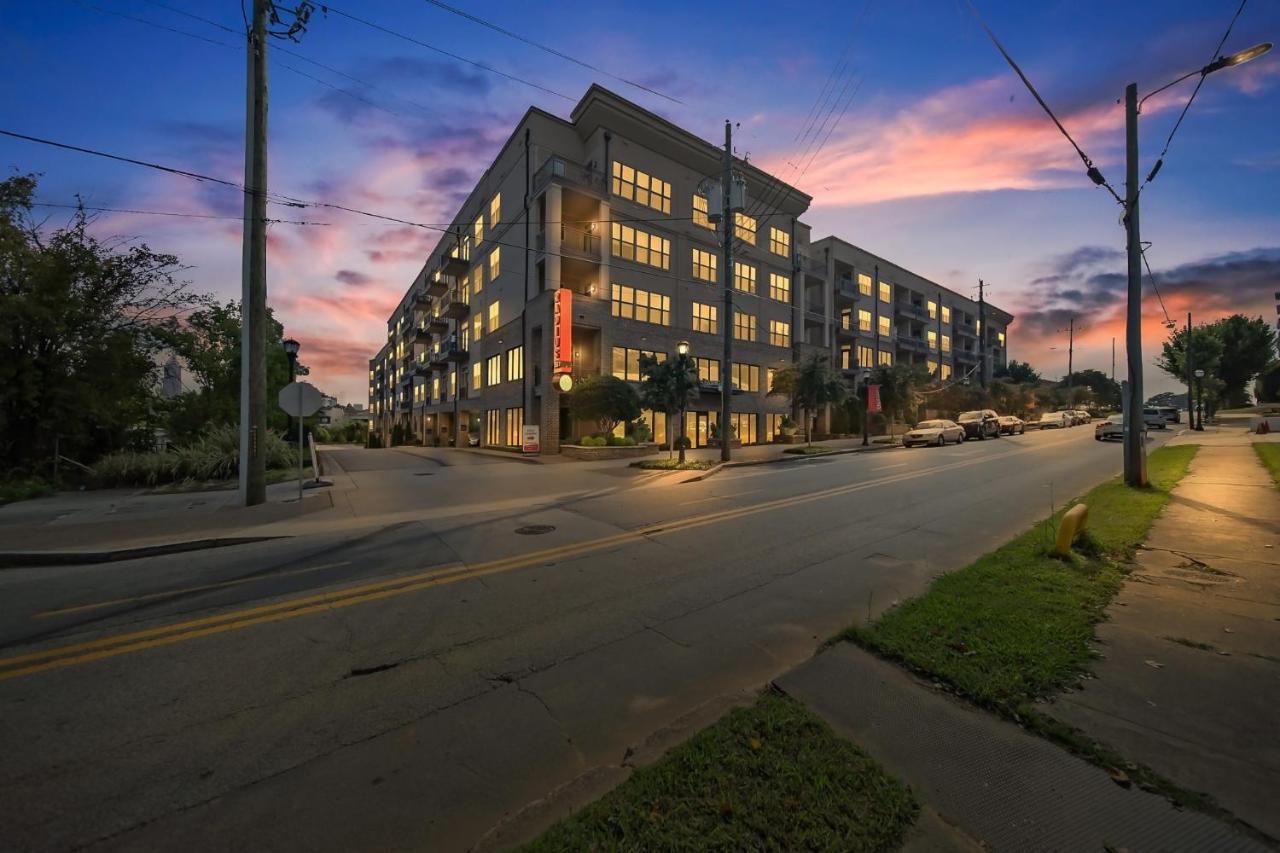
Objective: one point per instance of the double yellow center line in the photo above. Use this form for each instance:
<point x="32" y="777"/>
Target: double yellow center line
<point x="72" y="654"/>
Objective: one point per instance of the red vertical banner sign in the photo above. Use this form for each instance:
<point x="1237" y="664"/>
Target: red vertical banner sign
<point x="562" y="346"/>
<point x="873" y="398"/>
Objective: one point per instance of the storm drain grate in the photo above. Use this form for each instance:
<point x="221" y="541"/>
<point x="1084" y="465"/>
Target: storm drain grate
<point x="534" y="529"/>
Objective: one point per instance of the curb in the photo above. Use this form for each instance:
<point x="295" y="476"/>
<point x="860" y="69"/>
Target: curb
<point x="28" y="559"/>
<point x="787" y="457"/>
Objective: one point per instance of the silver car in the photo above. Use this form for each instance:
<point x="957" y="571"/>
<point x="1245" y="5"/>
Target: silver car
<point x="1012" y="425"/>
<point x="937" y="432"/>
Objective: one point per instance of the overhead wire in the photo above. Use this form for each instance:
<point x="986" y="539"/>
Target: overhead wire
<point x="551" y="50"/>
<point x="174" y="213"/>
<point x="1091" y="170"/>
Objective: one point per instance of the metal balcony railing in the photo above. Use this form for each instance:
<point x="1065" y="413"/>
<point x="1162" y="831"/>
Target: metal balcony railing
<point x="567" y="171"/>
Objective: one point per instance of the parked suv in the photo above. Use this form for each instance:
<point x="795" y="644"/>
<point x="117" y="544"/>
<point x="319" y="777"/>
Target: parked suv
<point x="980" y="424"/>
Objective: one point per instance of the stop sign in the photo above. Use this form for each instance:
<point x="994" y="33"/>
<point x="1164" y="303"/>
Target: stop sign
<point x="300" y="399"/>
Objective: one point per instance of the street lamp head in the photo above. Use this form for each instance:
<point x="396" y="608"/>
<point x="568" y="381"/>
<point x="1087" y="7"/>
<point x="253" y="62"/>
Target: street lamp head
<point x="291" y="347"/>
<point x="1199" y="374"/>
<point x="682" y="348"/>
<point x="1238" y="58"/>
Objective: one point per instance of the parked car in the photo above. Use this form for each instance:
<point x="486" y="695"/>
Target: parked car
<point x="1113" y="427"/>
<point x="980" y="424"/>
<point x="1170" y="414"/>
<point x="1153" y="418"/>
<point x="937" y="432"/>
<point x="1012" y="425"/>
<point x="1054" y="420"/>
<point x="1082" y="417"/>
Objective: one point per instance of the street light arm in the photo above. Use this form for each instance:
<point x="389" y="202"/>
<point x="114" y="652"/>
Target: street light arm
<point x="1200" y="71"/>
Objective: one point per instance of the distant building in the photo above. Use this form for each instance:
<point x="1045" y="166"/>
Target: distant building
<point x="171" y="384"/>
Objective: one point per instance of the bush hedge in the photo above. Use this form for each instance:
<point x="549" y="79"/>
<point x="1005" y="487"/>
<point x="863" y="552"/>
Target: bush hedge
<point x="215" y="455"/>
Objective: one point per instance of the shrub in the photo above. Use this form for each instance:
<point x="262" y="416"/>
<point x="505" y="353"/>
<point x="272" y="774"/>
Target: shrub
<point x="214" y="455"/>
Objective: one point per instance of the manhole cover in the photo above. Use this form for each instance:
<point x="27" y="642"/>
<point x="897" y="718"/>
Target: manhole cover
<point x="534" y="529"/>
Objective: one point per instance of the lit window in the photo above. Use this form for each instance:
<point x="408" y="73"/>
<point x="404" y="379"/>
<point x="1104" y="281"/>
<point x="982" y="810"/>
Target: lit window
<point x="779" y="242"/>
<point x="495" y="210"/>
<point x="744" y="326"/>
<point x="476" y="379"/>
<point x="632" y="244"/>
<point x="886" y="328"/>
<point x="933" y="310"/>
<point x="515" y="427"/>
<point x="846" y="318"/>
<point x="866" y="357"/>
<point x="435" y="388"/>
<point x="477" y="279"/>
<point x="495" y="263"/>
<point x="708" y="370"/>
<point x="1000" y="337"/>
<point x="864" y="284"/>
<point x="704" y="318"/>
<point x="477" y="326"/>
<point x="744" y="228"/>
<point x="946" y="371"/>
<point x="746" y="377"/>
<point x="626" y="362"/>
<point x="744" y="277"/>
<point x="933" y="340"/>
<point x="779" y="287"/>
<point x="515" y="363"/>
<point x="846" y="356"/>
<point x="493" y="317"/>
<point x="477" y="228"/>
<point x="864" y="320"/>
<point x="700" y="211"/>
<point x="634" y="185"/>
<point x="453" y="384"/>
<point x="886" y="291"/>
<point x="704" y="265"/>
<point x="886" y="358"/>
<point x="779" y="333"/>
<point x="493" y="370"/>
<point x="631" y="303"/>
<point x="946" y="343"/>
<point x="946" y="314"/>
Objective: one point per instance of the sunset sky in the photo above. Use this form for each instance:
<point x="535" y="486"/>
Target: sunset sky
<point x="942" y="162"/>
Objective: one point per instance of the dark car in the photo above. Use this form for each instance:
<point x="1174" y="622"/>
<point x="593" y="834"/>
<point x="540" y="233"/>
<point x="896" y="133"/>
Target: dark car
<point x="980" y="424"/>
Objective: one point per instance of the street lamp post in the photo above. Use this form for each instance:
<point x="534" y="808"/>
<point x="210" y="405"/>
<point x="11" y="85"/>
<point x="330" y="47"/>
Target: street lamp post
<point x="1199" y="401"/>
<point x="682" y="364"/>
<point x="291" y="348"/>
<point x="1135" y="460"/>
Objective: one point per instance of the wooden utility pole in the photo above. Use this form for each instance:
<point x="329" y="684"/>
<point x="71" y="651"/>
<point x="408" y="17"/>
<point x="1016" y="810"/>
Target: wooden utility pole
<point x="726" y="367"/>
<point x="253" y="293"/>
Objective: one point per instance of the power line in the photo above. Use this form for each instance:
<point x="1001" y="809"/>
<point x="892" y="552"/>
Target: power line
<point x="551" y="50"/>
<point x="169" y="213"/>
<point x="1216" y="52"/>
<point x="1152" y="276"/>
<point x="442" y="51"/>
<point x="1091" y="170"/>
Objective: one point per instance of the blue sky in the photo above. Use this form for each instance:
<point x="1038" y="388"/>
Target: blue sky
<point x="942" y="161"/>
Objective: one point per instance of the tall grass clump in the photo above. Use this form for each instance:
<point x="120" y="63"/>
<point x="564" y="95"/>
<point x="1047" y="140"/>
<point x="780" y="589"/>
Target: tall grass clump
<point x="214" y="455"/>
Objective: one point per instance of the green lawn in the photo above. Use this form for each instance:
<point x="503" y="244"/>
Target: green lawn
<point x="1270" y="456"/>
<point x="1017" y="624"/>
<point x="673" y="465"/>
<point x="771" y="776"/>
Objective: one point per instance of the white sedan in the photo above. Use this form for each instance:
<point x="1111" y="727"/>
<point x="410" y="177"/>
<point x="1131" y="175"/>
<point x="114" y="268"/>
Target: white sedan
<point x="934" y="432"/>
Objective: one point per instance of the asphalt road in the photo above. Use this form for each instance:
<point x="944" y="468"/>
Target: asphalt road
<point x="409" y="686"/>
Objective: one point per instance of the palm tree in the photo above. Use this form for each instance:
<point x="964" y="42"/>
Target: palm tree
<point x="670" y="387"/>
<point x="810" y="384"/>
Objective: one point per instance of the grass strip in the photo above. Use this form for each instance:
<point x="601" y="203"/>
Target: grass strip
<point x="1269" y="455"/>
<point x="771" y="776"/>
<point x="673" y="465"/>
<point x="1018" y="623"/>
<point x="12" y="491"/>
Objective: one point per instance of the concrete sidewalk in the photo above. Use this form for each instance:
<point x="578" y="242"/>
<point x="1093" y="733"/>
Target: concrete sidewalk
<point x="1189" y="683"/>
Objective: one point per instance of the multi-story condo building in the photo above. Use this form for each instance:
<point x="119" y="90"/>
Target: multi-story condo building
<point x="586" y="245"/>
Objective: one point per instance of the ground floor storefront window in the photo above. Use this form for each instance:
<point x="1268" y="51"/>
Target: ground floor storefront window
<point x="744" y="426"/>
<point x="515" y="427"/>
<point x="772" y="425"/>
<point x="492" y="426"/>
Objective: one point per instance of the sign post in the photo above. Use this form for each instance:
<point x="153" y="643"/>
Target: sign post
<point x="300" y="399"/>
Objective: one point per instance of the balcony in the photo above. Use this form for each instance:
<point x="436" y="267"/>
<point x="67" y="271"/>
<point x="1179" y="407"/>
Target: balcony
<point x="454" y="352"/>
<point x="708" y="386"/>
<point x="568" y="172"/>
<point x="422" y="365"/>
<point x="966" y="356"/>
<point x="458" y="260"/>
<point x="421" y="300"/>
<point x="438" y="359"/>
<point x="913" y="344"/>
<point x="911" y="309"/>
<point x="437" y="325"/>
<point x="455" y="307"/>
<point x="579" y="242"/>
<point x="966" y="329"/>
<point x="437" y="286"/>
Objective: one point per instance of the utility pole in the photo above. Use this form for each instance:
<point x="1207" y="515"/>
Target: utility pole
<point x="982" y="334"/>
<point x="1113" y="358"/>
<point x="1135" y="457"/>
<point x="253" y="288"/>
<point x="1071" y="345"/>
<point x="1187" y="358"/>
<point x="726" y="369"/>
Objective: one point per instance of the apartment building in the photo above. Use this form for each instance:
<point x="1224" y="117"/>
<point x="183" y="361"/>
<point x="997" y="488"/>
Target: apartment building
<point x="586" y="245"/>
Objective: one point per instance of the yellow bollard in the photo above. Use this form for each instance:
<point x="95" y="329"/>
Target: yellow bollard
<point x="1072" y="523"/>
